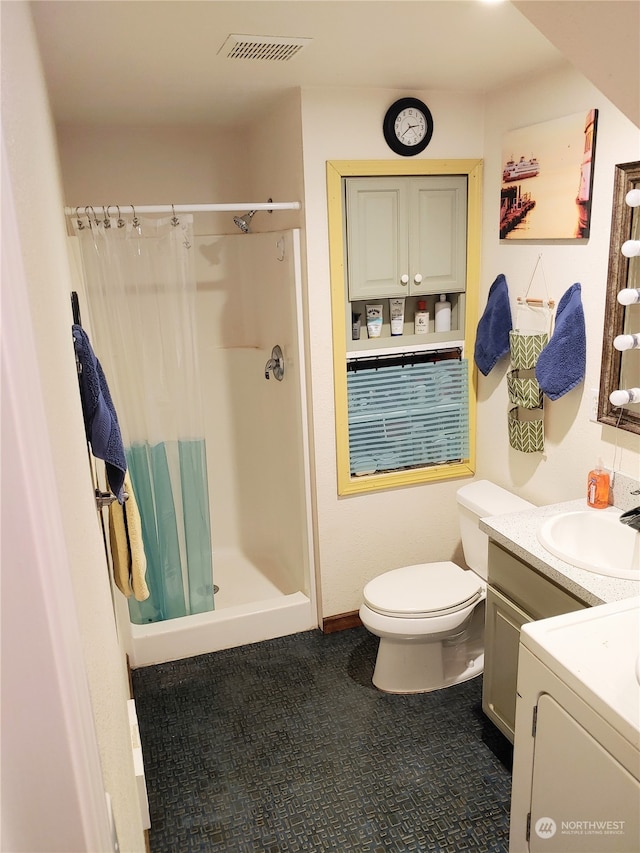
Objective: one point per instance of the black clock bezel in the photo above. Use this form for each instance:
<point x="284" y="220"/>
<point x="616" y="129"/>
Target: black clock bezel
<point x="388" y="127"/>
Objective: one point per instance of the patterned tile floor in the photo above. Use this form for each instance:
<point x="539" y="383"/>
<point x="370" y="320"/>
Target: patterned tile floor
<point x="286" y="745"/>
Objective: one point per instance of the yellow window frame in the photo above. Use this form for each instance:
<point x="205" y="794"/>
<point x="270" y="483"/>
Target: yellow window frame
<point x="337" y="170"/>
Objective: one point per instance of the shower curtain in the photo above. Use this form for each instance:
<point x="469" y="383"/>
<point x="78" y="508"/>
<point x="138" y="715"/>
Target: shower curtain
<point x="141" y="288"/>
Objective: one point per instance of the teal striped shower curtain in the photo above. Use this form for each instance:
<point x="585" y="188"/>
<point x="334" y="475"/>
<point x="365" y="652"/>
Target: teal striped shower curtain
<point x="140" y="294"/>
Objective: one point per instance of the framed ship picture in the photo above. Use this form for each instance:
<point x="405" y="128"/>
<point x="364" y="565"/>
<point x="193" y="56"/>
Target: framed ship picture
<point x="547" y="179"/>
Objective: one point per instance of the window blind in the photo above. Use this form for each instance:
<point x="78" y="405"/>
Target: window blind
<point x="404" y="413"/>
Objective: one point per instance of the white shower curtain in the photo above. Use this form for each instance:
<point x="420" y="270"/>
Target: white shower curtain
<point x="141" y="290"/>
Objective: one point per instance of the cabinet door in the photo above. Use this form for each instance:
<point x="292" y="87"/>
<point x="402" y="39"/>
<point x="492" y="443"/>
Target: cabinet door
<point x="377" y="249"/>
<point x="574" y="776"/>
<point x="503" y="621"/>
<point x="438" y="234"/>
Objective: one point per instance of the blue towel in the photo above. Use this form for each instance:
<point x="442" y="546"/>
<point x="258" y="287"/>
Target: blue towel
<point x="562" y="363"/>
<point x="492" y="339"/>
<point x="100" y="419"/>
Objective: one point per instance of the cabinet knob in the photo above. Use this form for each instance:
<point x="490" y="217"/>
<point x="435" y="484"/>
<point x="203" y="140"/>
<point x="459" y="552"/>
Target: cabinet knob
<point x="404" y="279"/>
<point x="417" y="278"/>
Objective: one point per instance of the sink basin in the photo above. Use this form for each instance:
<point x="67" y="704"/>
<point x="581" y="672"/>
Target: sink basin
<point x="594" y="540"/>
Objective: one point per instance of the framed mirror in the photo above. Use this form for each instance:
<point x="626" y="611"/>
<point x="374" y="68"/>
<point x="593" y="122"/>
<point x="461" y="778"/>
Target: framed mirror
<point x="621" y="369"/>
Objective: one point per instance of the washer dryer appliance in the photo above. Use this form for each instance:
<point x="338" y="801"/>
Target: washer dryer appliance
<point x="576" y="768"/>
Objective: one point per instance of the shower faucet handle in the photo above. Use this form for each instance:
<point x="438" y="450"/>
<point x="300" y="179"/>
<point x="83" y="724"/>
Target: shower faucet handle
<point x="275" y="364"/>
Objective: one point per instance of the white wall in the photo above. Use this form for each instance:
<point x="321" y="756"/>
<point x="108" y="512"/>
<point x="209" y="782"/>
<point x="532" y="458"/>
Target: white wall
<point x="30" y="147"/>
<point x="572" y="442"/>
<point x="246" y="303"/>
<point x="361" y="536"/>
<point x="357" y="537"/>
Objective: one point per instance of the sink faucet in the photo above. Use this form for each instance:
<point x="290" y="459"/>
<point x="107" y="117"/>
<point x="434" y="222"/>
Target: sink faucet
<point x="632" y="518"/>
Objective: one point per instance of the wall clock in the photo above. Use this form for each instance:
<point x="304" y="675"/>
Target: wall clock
<point x="408" y="126"/>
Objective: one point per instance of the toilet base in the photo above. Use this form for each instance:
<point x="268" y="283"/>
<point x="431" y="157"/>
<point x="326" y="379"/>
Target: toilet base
<point x="416" y="666"/>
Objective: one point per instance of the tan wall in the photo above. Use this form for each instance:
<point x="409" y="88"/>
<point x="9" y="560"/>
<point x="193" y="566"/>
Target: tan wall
<point x="572" y="442"/>
<point x="360" y="537"/>
<point x="32" y="156"/>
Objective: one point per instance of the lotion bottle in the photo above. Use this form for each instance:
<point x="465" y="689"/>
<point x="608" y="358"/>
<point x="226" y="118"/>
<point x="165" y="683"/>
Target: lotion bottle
<point x="598" y="487"/>
<point x="443" y="314"/>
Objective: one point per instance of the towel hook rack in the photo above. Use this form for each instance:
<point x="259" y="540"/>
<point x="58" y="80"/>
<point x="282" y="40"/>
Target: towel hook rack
<point x="526" y="299"/>
<point x="104" y="499"/>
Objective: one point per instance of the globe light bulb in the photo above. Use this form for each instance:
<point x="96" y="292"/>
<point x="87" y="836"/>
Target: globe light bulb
<point x="632" y="198"/>
<point x="624" y="342"/>
<point x="623" y="397"/>
<point x="629" y="296"/>
<point x="631" y="248"/>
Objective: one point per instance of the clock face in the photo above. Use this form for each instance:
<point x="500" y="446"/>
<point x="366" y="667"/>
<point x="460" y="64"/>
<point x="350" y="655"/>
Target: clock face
<point x="408" y="126"/>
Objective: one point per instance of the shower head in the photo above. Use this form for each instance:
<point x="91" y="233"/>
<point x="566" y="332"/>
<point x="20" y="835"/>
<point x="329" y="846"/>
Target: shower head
<point x="243" y="222"/>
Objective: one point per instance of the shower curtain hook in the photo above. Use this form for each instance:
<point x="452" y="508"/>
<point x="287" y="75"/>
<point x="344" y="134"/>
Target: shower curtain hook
<point x="135" y="221"/>
<point x="106" y="221"/>
<point x="88" y="208"/>
<point x="174" y="220"/>
<point x="79" y="221"/>
<point x="120" y="221"/>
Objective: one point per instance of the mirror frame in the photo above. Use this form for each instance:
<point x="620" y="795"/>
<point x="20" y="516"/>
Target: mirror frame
<point x="627" y="176"/>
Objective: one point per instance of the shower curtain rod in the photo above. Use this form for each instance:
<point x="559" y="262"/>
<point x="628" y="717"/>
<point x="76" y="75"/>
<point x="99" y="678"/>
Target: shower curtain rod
<point x="185" y="208"/>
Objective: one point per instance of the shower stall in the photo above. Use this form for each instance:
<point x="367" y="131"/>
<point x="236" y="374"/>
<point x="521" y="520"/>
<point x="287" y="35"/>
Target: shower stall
<point x="248" y="302"/>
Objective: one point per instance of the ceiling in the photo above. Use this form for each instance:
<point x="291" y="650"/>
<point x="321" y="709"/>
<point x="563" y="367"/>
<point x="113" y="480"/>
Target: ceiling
<point x="146" y="62"/>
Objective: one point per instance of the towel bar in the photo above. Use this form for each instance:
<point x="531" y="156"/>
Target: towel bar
<point x="530" y="301"/>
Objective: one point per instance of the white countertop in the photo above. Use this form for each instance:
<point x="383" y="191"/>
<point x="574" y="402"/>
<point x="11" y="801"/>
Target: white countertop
<point x="517" y="533"/>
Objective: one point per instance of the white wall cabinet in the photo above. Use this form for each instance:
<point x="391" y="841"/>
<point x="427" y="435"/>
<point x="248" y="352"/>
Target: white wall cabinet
<point x="406" y="236"/>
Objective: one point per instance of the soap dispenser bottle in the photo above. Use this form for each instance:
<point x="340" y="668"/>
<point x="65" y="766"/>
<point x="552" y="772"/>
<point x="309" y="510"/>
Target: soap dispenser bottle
<point x="598" y="487"/>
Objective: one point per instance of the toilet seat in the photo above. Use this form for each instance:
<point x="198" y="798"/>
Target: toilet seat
<point x="423" y="590"/>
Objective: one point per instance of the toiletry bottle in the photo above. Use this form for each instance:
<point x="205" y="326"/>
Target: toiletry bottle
<point x="443" y="314"/>
<point x="355" y="326"/>
<point x="421" y="318"/>
<point x="598" y="487"/>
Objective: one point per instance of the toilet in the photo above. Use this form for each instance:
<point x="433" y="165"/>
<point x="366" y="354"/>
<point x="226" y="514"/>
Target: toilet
<point x="430" y="617"/>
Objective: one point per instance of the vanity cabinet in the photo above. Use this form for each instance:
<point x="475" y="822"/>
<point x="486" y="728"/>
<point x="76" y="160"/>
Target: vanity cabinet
<point x="406" y="236"/>
<point x="516" y="594"/>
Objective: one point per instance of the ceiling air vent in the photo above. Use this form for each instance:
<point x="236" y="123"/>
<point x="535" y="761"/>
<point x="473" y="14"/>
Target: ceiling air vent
<point x="270" y="48"/>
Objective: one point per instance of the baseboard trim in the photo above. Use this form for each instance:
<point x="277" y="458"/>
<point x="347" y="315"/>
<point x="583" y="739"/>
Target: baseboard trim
<point x="341" y="622"/>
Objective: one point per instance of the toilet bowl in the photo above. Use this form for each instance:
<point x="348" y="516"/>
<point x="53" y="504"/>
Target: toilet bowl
<point x="430" y="617"/>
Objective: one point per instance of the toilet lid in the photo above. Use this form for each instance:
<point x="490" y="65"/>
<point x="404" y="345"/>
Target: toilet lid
<point x="427" y="589"/>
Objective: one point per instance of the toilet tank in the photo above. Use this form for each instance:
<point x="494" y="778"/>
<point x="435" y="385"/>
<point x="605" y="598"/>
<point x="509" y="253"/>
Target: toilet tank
<point x="478" y="500"/>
